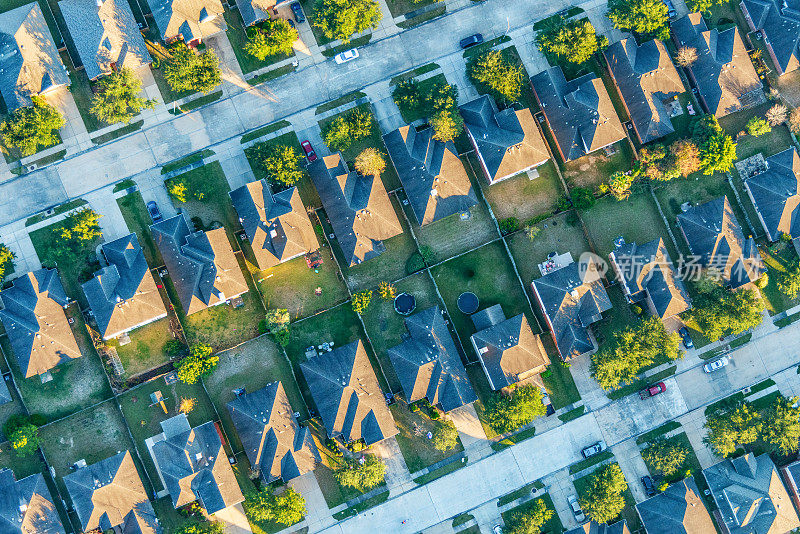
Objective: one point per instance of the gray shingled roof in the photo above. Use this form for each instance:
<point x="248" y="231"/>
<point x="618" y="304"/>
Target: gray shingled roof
<point x="428" y="365"/>
<point x="776" y="195"/>
<point x="677" y="510"/>
<point x="434" y="178"/>
<point x="104" y="35"/>
<point x="358" y="207"/>
<point x="254" y="11"/>
<point x="123" y="295"/>
<point x="572" y="298"/>
<point x="579" y="112"/>
<point x="273" y="441"/>
<point x="507" y="142"/>
<point x="347" y="395"/>
<point x="29" y="61"/>
<point x="32" y="313"/>
<point x="646" y="78"/>
<point x="620" y="527"/>
<point x="193" y="465"/>
<point x="110" y="493"/>
<point x="277" y="225"/>
<point x="723" y="71"/>
<point x="187" y="19"/>
<point x="649" y="274"/>
<point x="39" y="515"/>
<point x="781" y="26"/>
<point x="202" y="265"/>
<point x="750" y="496"/>
<point x="508" y="349"/>
<point x="713" y="233"/>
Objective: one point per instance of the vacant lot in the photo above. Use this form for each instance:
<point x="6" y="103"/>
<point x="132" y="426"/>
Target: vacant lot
<point x="146" y="349"/>
<point x="417" y="449"/>
<point x="523" y="197"/>
<point x="593" y="169"/>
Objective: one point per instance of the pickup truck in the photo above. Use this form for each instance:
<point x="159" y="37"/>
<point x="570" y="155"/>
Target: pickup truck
<point x="655" y="389"/>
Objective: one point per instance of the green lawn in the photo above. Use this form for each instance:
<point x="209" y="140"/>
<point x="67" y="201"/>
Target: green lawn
<point x="617" y="318"/>
<point x="777" y="258"/>
<point x="385" y="326"/>
<point x="480" y="384"/>
<point x="417" y="449"/>
<point x="553" y="526"/>
<point x="561" y="386"/>
<point x="23" y="466"/>
<point x="8" y="409"/>
<point x="629" y="513"/>
<point x="216" y="207"/>
<point x="138" y="220"/>
<point x="81" y="89"/>
<point x="522" y="197"/>
<point x="593" y="169"/>
<point x="777" y="140"/>
<point x="238" y="38"/>
<point x="146" y="349"/>
<point x="144" y="418"/>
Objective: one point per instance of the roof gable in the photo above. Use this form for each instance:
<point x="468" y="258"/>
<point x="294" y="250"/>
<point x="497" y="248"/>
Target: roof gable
<point x="188" y="19"/>
<point x="677" y="510"/>
<point x="776" y="194"/>
<point x="32" y="495"/>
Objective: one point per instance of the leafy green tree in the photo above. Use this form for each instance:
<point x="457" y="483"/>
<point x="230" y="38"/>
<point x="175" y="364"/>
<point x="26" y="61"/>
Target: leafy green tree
<point x="278" y="325"/>
<point x="340" y="19"/>
<point x="506" y="413"/>
<point x="275" y="37"/>
<point x="603" y="499"/>
<point x="343" y="130"/>
<point x="81" y="226"/>
<point x="447" y="125"/>
<point x="22" y="434"/>
<point x="387" y="291"/>
<point x="686" y="156"/>
<point x="665" y="456"/>
<point x="6" y="260"/>
<point x="702" y="6"/>
<point x="531" y="521"/>
<point x="645" y="17"/>
<point x="757" y="126"/>
<point x="726" y="430"/>
<point x="28" y="128"/>
<point x="717" y="149"/>
<point x="407" y="96"/>
<point x="370" y="162"/>
<point x="202" y="527"/>
<point x="280" y="163"/>
<point x="117" y="98"/>
<point x="177" y="190"/>
<point x="363" y="474"/>
<point x="574" y="42"/>
<point x="720" y="312"/>
<point x="789" y="281"/>
<point x="361" y="301"/>
<point x="264" y="505"/>
<point x="782" y="425"/>
<point x="200" y="363"/>
<point x="619" y="185"/>
<point x="501" y="76"/>
<point x="188" y="71"/>
<point x="445" y="436"/>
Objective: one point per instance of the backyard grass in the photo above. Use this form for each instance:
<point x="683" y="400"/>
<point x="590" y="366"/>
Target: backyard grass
<point x="417" y="449"/>
<point x="138" y="220"/>
<point x="778" y="258"/>
<point x="146" y="349"/>
<point x="525" y="198"/>
<point x="22" y="466"/>
<point x="593" y="169"/>
<point x="629" y="513"/>
<point x="238" y="38"/>
<point x="561" y="386"/>
<point x="768" y="144"/>
<point x="553" y="526"/>
<point x="385" y="326"/>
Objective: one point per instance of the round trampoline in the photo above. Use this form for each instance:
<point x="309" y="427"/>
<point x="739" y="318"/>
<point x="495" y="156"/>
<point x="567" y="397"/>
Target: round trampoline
<point x="468" y="302"/>
<point x="404" y="303"/>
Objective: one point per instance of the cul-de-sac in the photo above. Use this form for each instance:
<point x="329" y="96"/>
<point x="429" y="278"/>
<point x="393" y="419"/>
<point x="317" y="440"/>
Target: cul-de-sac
<point x="400" y="266"/>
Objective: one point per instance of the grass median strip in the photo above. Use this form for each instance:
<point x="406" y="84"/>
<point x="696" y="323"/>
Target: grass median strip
<point x="363" y="505"/>
<point x="666" y="428"/>
<point x="641" y="383"/>
<point x="513" y="439"/>
<point x="196" y="103"/>
<point x="572" y="414"/>
<point x="440" y="472"/>
<point x="590" y="461"/>
<point x="119" y="132"/>
<point x="519" y="493"/>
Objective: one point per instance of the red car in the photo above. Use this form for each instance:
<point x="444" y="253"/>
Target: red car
<point x="310" y="154"/>
<point x="653" y="390"/>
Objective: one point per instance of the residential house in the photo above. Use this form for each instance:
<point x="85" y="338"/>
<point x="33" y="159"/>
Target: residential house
<point x="32" y="313"/>
<point x="358" y="207"/>
<point x="778" y="22"/>
<point x="105" y="35"/>
<point x="29" y="61"/>
<point x="193" y="466"/>
<point x="276" y="446"/>
<point x="428" y="365"/>
<point x="508" y="349"/>
<point x="5" y="393"/>
<point x="255" y="11"/>
<point x="647" y="80"/>
<point x="791" y="477"/>
<point x="347" y="395"/>
<point x="750" y="496"/>
<point x="507" y="142"/>
<point x="26" y="506"/>
<point x="434" y="178"/>
<point x="620" y="527"/>
<point x="579" y="112"/>
<point x="123" y="295"/>
<point x="723" y="73"/>
<point x="714" y="236"/>
<point x="191" y="21"/>
<point x="571" y="299"/>
<point x="202" y="265"/>
<point x="776" y="195"/>
<point x="677" y="510"/>
<point x="646" y="274"/>
<point x="110" y="495"/>
<point x="277" y="225"/>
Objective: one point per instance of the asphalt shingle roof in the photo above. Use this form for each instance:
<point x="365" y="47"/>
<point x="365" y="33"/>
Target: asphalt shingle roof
<point x="277" y="225"/>
<point x="39" y="515"/>
<point x="253" y="11"/>
<point x="32" y="312"/>
<point x="713" y="233"/>
<point x="273" y="441"/>
<point x="508" y="142"/>
<point x="428" y="365"/>
<point x="579" y="112"/>
<point x="780" y="26"/>
<point x="776" y="194"/>
<point x="347" y="395"/>
<point x="677" y="510"/>
<point x="434" y="178"/>
<point x="29" y="61"/>
<point x="188" y="19"/>
<point x="110" y="493"/>
<point x="358" y="207"/>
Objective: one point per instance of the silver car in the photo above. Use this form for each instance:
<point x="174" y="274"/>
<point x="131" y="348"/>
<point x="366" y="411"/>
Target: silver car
<point x="580" y="517"/>
<point x="719" y="363"/>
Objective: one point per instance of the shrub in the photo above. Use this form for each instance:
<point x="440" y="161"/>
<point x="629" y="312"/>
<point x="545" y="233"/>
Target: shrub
<point x="6" y="260"/>
<point x="387" y="291"/>
<point x="22" y="434"/>
<point x="445" y="436"/>
<point x="200" y="363"/>
<point x="361" y="301"/>
<point x="370" y="162"/>
<point x="363" y="474"/>
<point x="582" y="198"/>
<point x="415" y="263"/>
<point x="509" y="225"/>
<point x="757" y="126"/>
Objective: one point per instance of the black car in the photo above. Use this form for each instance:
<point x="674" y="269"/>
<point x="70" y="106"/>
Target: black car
<point x="649" y="487"/>
<point x="155" y="213"/>
<point x="472" y="40"/>
<point x="687" y="339"/>
<point x="297" y="9"/>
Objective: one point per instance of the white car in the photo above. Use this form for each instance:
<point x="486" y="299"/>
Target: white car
<point x="346" y="56"/>
<point x="710" y="367"/>
<point x="580" y="517"/>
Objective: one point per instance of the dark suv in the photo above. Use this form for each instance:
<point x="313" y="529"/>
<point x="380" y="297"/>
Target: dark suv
<point x="649" y="487"/>
<point x="472" y="40"/>
<point x="297" y="9"/>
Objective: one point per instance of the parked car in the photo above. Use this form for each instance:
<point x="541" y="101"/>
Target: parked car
<point x="472" y="40"/>
<point x="687" y="339"/>
<point x="719" y="363"/>
<point x="592" y="450"/>
<point x="155" y="213"/>
<point x="347" y="55"/>
<point x="649" y="487"/>
<point x="580" y="517"/>
<point x="297" y="9"/>
<point x="309" y="151"/>
<point x="653" y="390"/>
